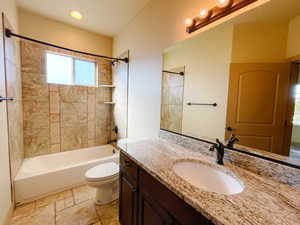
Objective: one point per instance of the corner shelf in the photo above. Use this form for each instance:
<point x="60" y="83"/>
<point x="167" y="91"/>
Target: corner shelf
<point x="109" y="103"/>
<point x="107" y="86"/>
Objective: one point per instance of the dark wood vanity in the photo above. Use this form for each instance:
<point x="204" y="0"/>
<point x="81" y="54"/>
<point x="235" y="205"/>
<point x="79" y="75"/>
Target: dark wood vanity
<point x="145" y="201"/>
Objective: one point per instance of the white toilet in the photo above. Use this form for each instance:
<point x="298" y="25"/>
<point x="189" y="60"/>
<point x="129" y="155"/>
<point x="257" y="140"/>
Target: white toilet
<point x="105" y="178"/>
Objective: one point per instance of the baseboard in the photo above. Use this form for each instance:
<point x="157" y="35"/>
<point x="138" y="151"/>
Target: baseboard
<point x="9" y="215"/>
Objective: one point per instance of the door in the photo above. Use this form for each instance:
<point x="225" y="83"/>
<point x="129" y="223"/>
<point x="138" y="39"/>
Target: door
<point x="257" y="105"/>
<point x="150" y="213"/>
<point x="5" y="182"/>
<point x="128" y="202"/>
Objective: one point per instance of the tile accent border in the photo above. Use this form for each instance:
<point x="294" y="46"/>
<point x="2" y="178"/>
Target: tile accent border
<point x="264" y="167"/>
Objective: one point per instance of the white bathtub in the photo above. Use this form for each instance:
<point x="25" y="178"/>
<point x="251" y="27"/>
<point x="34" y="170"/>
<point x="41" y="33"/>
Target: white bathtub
<point x="44" y="175"/>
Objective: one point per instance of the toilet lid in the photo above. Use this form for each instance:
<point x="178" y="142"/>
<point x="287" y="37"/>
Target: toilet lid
<point x="102" y="171"/>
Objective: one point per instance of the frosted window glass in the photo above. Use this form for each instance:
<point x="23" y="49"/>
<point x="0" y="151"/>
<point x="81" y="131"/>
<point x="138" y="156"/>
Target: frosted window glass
<point x="84" y="73"/>
<point x="59" y="69"/>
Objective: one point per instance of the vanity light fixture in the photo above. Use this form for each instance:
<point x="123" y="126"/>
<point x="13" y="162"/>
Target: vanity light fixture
<point x="75" y="14"/>
<point x="222" y="9"/>
<point x="224" y="3"/>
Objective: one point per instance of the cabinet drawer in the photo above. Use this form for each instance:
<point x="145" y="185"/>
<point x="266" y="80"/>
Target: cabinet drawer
<point x="128" y="168"/>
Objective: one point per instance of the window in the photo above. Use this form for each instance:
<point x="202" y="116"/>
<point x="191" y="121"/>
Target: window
<point x="296" y="119"/>
<point x="68" y="70"/>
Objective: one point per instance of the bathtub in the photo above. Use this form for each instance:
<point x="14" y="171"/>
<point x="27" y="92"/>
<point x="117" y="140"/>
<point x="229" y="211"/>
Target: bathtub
<point x="48" y="174"/>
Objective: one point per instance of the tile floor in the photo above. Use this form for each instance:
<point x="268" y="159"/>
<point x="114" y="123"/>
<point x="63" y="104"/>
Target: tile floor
<point x="72" y="207"/>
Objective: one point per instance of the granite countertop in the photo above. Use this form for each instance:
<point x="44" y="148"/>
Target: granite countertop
<point x="263" y="201"/>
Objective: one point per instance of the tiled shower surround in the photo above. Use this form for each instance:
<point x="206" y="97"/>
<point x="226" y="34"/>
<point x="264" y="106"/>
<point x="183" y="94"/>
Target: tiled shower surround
<point x="172" y="101"/>
<point x="61" y="118"/>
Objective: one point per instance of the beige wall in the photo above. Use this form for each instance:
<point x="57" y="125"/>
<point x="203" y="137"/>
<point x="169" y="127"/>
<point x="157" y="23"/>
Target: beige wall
<point x="49" y="30"/>
<point x="260" y="42"/>
<point x="9" y="8"/>
<point x="206" y="59"/>
<point x="293" y="39"/>
<point x="159" y="25"/>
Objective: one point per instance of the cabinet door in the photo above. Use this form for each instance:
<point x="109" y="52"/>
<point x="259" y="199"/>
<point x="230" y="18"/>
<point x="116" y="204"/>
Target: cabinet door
<point x="128" y="202"/>
<point x="150" y="213"/>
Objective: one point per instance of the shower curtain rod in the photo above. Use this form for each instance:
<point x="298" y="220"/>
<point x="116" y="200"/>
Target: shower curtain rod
<point x="179" y="73"/>
<point x="9" y="34"/>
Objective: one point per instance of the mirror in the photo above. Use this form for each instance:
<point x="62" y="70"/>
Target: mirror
<point x="239" y="78"/>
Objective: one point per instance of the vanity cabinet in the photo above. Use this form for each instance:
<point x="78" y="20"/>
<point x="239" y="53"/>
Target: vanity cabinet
<point x="146" y="201"/>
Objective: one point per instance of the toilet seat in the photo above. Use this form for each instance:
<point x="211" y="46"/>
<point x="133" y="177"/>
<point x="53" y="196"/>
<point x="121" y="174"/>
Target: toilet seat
<point x="102" y="172"/>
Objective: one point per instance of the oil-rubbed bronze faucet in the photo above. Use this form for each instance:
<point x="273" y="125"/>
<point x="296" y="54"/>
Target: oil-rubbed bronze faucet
<point x="220" y="151"/>
<point x="233" y="139"/>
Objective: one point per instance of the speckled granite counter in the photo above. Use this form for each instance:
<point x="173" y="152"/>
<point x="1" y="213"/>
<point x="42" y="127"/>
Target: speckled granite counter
<point x="263" y="201"/>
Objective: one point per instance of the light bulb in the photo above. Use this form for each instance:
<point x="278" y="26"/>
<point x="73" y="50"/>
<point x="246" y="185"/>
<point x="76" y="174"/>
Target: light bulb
<point x="203" y="13"/>
<point x="77" y="15"/>
<point x="223" y="3"/>
<point x="189" y="22"/>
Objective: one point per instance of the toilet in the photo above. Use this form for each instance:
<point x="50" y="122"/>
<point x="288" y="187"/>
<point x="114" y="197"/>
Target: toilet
<point x="105" y="178"/>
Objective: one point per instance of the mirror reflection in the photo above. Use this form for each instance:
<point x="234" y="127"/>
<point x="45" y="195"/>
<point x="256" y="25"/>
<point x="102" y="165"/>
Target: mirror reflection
<point x="244" y="86"/>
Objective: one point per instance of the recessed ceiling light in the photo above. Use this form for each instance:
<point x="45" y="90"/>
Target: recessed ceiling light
<point x="77" y="15"/>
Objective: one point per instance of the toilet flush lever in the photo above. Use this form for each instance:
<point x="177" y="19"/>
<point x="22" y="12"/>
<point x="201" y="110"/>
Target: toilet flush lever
<point x="5" y="99"/>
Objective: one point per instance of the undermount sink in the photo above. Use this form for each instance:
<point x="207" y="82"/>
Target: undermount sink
<point x="207" y="177"/>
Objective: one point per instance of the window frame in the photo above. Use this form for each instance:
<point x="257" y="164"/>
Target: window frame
<point x="73" y="68"/>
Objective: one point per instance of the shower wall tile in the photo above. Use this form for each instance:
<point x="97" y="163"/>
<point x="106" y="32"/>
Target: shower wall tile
<point x="73" y="94"/>
<point x="55" y="133"/>
<point x="55" y="117"/>
<point x="53" y="87"/>
<point x="73" y="138"/>
<point x="91" y="90"/>
<point x="91" y="130"/>
<point x="36" y="142"/>
<point x="34" y="87"/>
<point x="62" y="117"/>
<point x="35" y="115"/>
<point x="73" y="114"/>
<point x="91" y="106"/>
<point x="54" y="102"/>
<point x="32" y="58"/>
<point x="55" y="148"/>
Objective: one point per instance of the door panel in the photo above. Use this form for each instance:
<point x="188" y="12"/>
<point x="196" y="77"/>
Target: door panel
<point x="128" y="196"/>
<point x="257" y="91"/>
<point x="257" y="104"/>
<point x="151" y="213"/>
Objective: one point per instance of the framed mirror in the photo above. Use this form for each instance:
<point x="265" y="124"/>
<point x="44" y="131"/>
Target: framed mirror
<point x="240" y="79"/>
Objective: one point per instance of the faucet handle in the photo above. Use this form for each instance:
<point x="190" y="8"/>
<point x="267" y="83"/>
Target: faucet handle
<point x="213" y="147"/>
<point x="233" y="139"/>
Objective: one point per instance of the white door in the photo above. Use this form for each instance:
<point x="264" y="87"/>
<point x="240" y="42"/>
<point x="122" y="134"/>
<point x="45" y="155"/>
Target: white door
<point x="5" y="182"/>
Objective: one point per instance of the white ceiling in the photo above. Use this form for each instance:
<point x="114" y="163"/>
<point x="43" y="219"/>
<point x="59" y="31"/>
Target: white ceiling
<point x="101" y="16"/>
